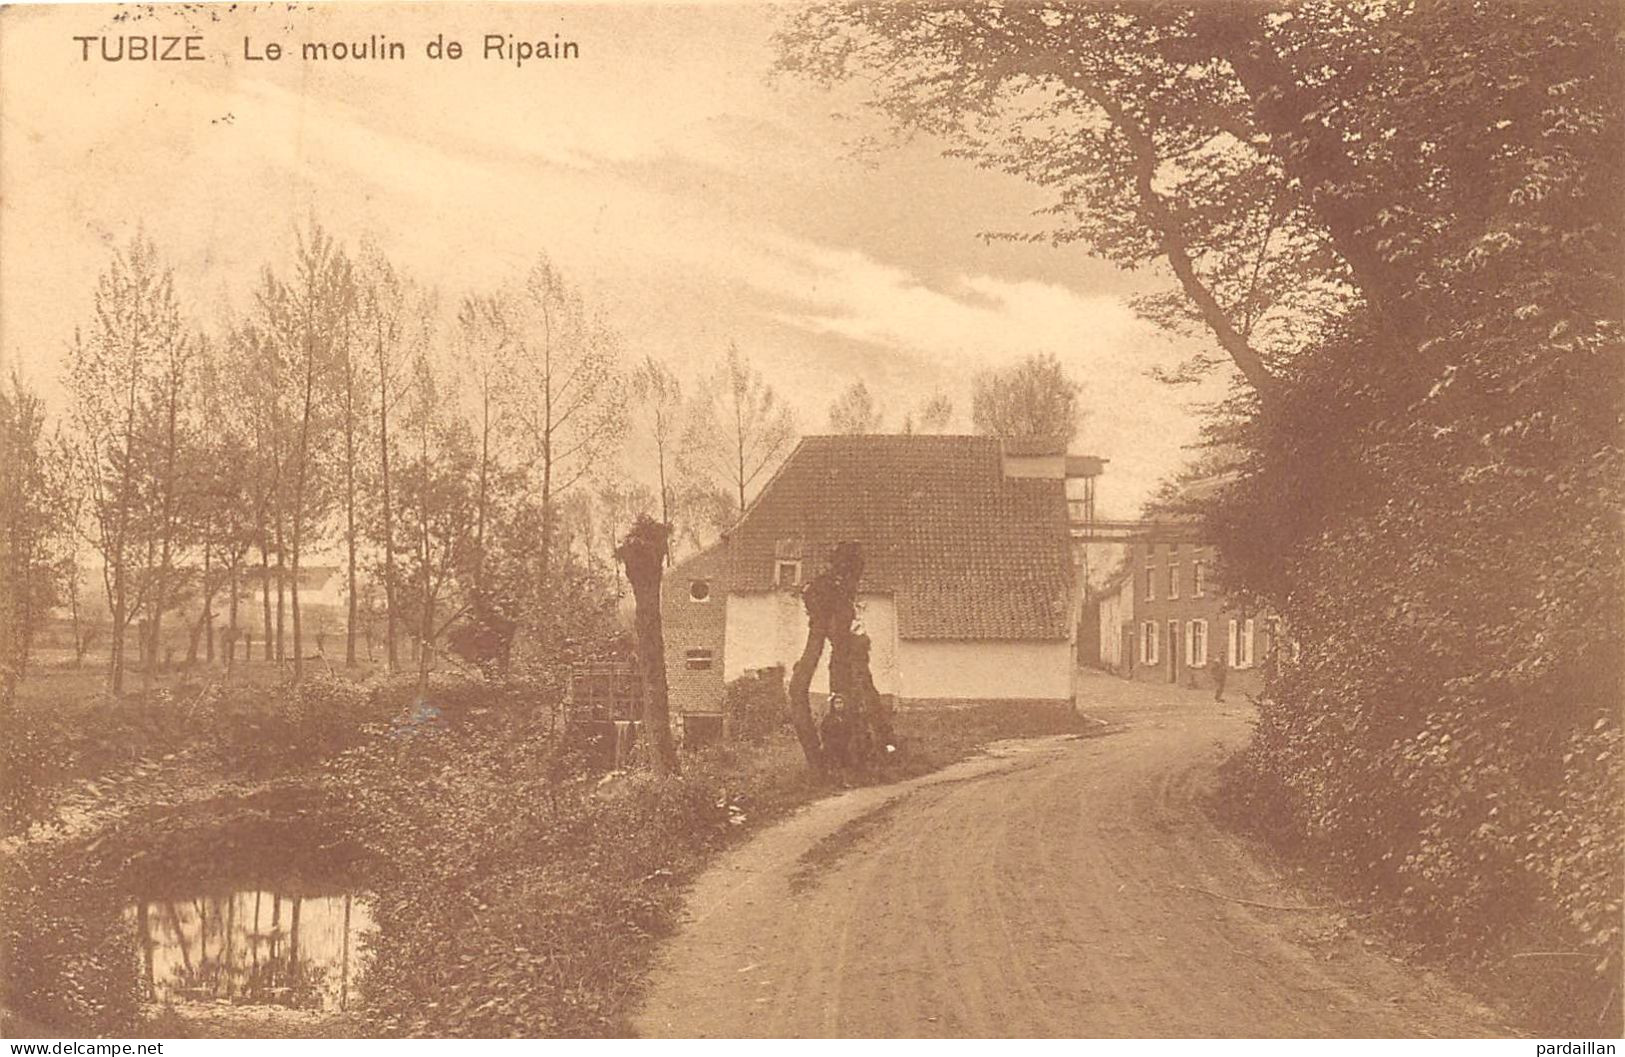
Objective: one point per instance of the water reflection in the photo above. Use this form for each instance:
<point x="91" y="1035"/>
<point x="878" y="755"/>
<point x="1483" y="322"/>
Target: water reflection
<point x="251" y="947"/>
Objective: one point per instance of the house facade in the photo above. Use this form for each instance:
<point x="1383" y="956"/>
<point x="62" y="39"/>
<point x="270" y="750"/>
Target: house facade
<point x="969" y="590"/>
<point x="1166" y="619"/>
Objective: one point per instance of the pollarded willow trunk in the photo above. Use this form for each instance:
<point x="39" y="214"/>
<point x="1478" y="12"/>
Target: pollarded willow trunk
<point x="830" y="600"/>
<point x="801" y="680"/>
<point x="643" y="553"/>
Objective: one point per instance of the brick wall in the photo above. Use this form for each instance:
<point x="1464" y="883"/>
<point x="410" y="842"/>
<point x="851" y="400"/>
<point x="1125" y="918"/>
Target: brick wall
<point x="1173" y="597"/>
<point x="694" y="624"/>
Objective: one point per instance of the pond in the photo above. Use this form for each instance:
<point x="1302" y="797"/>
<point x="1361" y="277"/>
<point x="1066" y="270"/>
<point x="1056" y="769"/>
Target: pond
<point x="252" y="903"/>
<point x="256" y="946"/>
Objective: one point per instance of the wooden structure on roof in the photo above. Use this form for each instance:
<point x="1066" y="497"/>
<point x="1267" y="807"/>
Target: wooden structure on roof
<point x="1096" y="530"/>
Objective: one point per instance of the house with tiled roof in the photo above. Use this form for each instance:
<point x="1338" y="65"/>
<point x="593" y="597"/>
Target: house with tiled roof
<point x="969" y="589"/>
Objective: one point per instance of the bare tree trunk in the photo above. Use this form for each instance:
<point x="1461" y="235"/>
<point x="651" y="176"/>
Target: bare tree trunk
<point x="426" y="602"/>
<point x="148" y="644"/>
<point x="739" y="441"/>
<point x="281" y="589"/>
<point x="349" y="503"/>
<point x="355" y="603"/>
<point x="208" y="608"/>
<point x="166" y="551"/>
<point x="231" y="633"/>
<point x="265" y="592"/>
<point x="545" y="561"/>
<point x="120" y="618"/>
<point x="73" y="607"/>
<point x="391" y="652"/>
<point x="643" y="553"/>
<point x="205" y="617"/>
<point x="426" y="583"/>
<point x="293" y="602"/>
<point x="120" y="604"/>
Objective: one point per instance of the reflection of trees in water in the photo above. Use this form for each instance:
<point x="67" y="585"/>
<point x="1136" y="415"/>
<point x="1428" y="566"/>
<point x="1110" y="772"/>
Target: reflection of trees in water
<point x="246" y="947"/>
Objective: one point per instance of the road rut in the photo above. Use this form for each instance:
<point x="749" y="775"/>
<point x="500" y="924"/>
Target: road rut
<point x="1057" y="887"/>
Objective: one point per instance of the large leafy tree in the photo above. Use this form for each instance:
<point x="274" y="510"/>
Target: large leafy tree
<point x="1285" y="162"/>
<point x="1401" y="224"/>
<point x="126" y="378"/>
<point x="1030" y="399"/>
<point x="563" y="391"/>
<point x="33" y="529"/>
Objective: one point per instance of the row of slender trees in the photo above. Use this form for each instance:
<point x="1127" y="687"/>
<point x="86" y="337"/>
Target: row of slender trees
<point x="453" y="456"/>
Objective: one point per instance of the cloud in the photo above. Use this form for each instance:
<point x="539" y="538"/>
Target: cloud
<point x="975" y="322"/>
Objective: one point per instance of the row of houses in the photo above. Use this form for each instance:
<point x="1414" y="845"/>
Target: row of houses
<point x="974" y="586"/>
<point x="1163" y="617"/>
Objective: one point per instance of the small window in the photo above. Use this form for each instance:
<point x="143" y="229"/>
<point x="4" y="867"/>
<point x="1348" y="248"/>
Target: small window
<point x="1198" y="579"/>
<point x="1232" y="644"/>
<point x="1198" y="644"/>
<point x="786" y="573"/>
<point x="1173" y="581"/>
<point x="699" y="590"/>
<point x="1149" y="643"/>
<point x="1248" y="631"/>
<point x="1151" y="585"/>
<point x="698" y="660"/>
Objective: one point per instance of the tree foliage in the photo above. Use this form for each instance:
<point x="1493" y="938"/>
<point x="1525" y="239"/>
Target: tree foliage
<point x="854" y="412"/>
<point x="1402" y="226"/>
<point x="1032" y="399"/>
<point x="738" y="430"/>
<point x="33" y="537"/>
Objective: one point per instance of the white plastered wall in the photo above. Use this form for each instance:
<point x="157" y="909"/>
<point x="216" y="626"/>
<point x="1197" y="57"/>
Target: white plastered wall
<point x="770" y="627"/>
<point x="985" y="670"/>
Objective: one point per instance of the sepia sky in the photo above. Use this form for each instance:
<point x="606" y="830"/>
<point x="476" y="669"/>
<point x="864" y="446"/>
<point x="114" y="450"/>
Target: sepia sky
<point x="692" y="199"/>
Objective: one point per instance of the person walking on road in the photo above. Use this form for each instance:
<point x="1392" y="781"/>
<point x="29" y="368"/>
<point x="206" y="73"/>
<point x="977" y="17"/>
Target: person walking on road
<point x="1220" y="669"/>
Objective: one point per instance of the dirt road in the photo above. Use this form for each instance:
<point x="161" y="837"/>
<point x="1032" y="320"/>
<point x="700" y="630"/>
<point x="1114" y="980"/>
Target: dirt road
<point x="1053" y="888"/>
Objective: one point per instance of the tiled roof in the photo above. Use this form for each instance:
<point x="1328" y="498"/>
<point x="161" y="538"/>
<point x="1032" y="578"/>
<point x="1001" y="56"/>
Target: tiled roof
<point x="966" y="552"/>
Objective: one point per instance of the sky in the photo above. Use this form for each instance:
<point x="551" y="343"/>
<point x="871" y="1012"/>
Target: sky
<point x="693" y="197"/>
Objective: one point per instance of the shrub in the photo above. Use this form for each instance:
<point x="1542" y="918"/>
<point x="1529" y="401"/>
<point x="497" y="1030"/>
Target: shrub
<point x="30" y="758"/>
<point x="1449" y="738"/>
<point x="67" y="954"/>
<point x="517" y="895"/>
<point x="756" y="704"/>
<point x="258" y="731"/>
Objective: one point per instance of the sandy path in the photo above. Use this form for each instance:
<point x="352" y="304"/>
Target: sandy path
<point x="1057" y="887"/>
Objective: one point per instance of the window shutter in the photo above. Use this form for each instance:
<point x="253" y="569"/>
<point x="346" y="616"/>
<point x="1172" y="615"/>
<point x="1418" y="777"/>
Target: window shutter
<point x="1230" y="657"/>
<point x="1190" y="644"/>
<point x="1247" y="643"/>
